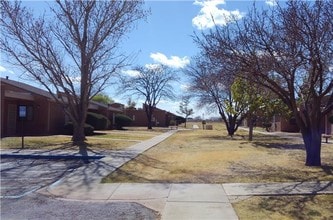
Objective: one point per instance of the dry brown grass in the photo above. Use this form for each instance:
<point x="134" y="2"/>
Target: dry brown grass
<point x="285" y="207"/>
<point x="209" y="156"/>
<point x="105" y="140"/>
<point x="129" y="135"/>
<point x="57" y="142"/>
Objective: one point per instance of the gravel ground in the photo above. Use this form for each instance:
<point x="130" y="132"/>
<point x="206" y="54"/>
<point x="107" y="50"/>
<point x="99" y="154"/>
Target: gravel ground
<point x="37" y="206"/>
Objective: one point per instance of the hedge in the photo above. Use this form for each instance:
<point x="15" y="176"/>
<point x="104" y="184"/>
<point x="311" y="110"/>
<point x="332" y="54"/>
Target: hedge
<point x="122" y="120"/>
<point x="267" y="125"/>
<point x="88" y="129"/>
<point x="98" y="121"/>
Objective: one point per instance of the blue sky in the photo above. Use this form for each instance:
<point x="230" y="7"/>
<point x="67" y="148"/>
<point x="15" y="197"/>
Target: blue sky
<point x="165" y="37"/>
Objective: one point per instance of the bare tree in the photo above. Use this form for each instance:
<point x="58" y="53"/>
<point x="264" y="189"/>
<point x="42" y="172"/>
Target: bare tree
<point x="72" y="51"/>
<point x="152" y="83"/>
<point x="211" y="84"/>
<point x="184" y="108"/>
<point x="289" y="50"/>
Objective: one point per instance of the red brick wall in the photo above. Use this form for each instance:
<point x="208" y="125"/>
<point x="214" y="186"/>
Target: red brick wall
<point x="160" y="117"/>
<point x="47" y="116"/>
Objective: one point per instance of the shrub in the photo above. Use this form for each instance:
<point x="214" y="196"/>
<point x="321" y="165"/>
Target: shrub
<point x="88" y="129"/>
<point x="172" y="123"/>
<point x="267" y="125"/>
<point x="180" y="120"/>
<point x="98" y="121"/>
<point x="122" y="120"/>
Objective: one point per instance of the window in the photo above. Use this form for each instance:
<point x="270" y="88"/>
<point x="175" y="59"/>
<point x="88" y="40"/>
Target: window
<point x="22" y="111"/>
<point x="25" y="112"/>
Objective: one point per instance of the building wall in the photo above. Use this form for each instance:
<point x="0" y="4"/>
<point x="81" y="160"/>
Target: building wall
<point x="278" y="124"/>
<point x="160" y="117"/>
<point x="44" y="115"/>
<point x="57" y="119"/>
<point x="138" y="116"/>
<point x="291" y="126"/>
<point x="327" y="127"/>
<point x="44" y="118"/>
<point x="284" y="125"/>
<point x="288" y="125"/>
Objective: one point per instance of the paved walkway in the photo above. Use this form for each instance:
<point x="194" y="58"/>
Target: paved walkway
<point x="173" y="201"/>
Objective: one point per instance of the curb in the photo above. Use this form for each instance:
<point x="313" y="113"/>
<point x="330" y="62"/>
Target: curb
<point x="51" y="157"/>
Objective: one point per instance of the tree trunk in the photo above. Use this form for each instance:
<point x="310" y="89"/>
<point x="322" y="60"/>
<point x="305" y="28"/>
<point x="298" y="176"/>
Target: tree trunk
<point x="231" y="126"/>
<point x="79" y="140"/>
<point x="78" y="134"/>
<point x="312" y="141"/>
<point x="149" y="113"/>
<point x="149" y="126"/>
<point x="309" y="121"/>
<point x="231" y="131"/>
<point x="250" y="120"/>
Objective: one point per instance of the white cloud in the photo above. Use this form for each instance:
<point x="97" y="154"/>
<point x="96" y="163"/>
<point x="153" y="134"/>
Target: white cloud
<point x="131" y="72"/>
<point x="75" y="79"/>
<point x="271" y="2"/>
<point x="3" y="69"/>
<point x="210" y="15"/>
<point x="173" y="61"/>
<point x="184" y="87"/>
<point x="153" y="66"/>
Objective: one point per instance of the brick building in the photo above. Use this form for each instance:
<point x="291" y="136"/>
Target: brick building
<point x="161" y="118"/>
<point x="43" y="115"/>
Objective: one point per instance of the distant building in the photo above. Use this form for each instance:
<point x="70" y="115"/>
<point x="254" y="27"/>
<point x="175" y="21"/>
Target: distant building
<point x="280" y="123"/>
<point x="107" y="110"/>
<point x="283" y="124"/>
<point x="161" y="118"/>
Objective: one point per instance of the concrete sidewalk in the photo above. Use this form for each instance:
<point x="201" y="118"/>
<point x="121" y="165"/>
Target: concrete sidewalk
<point x="187" y="201"/>
<point x="173" y="201"/>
